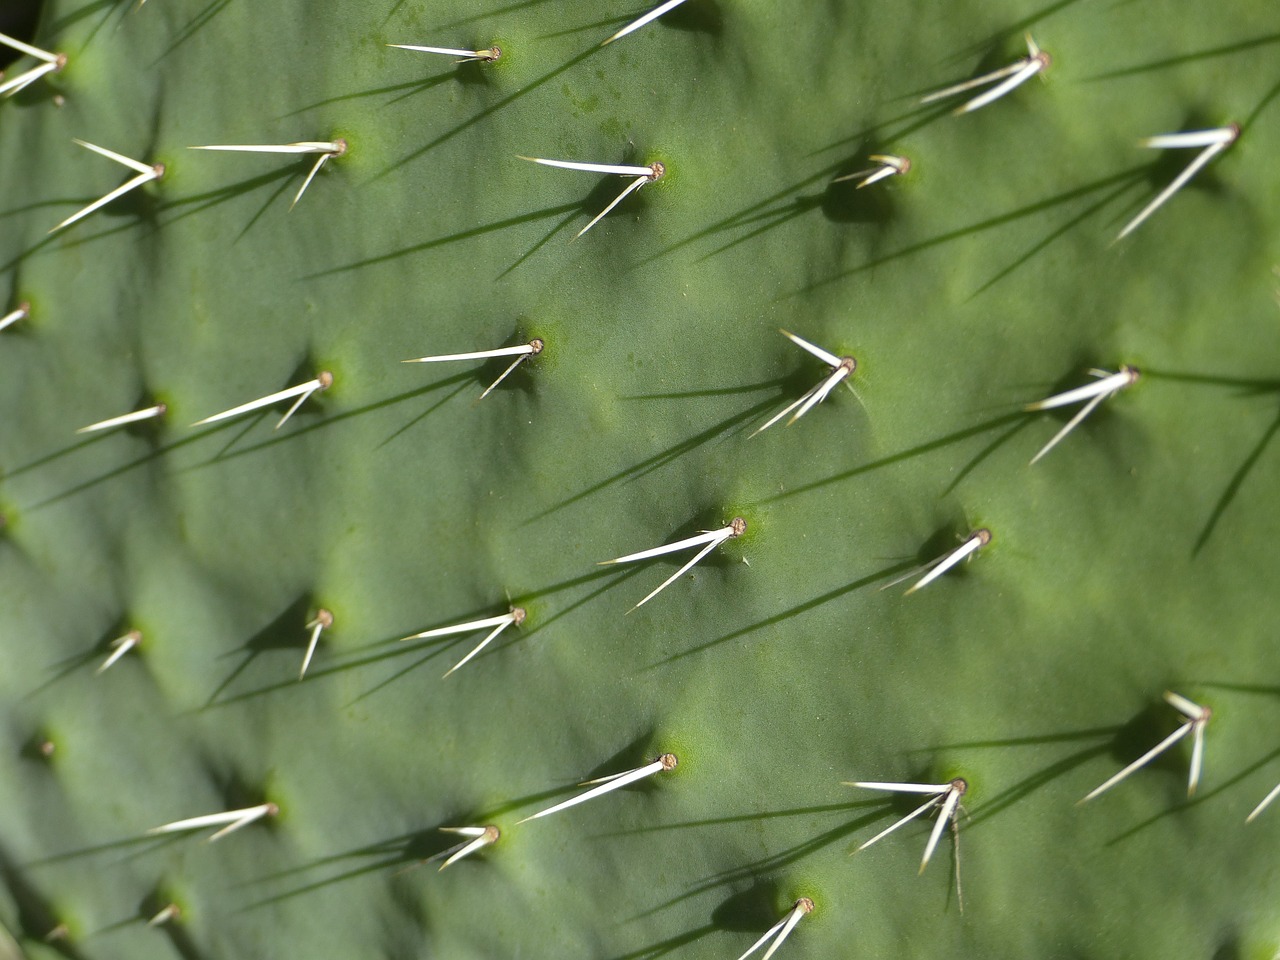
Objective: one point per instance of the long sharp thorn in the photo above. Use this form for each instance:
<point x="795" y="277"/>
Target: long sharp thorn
<point x="1197" y="757"/>
<point x="120" y="158"/>
<point x="894" y="787"/>
<point x="781" y="930"/>
<point x="787" y="409"/>
<point x="506" y="373"/>
<point x="830" y="359"/>
<point x="887" y="165"/>
<point x="679" y="573"/>
<point x="631" y="188"/>
<point x="523" y="350"/>
<point x="665" y="762"/>
<point x="147" y="413"/>
<point x="28" y="49"/>
<point x="1070" y="425"/>
<point x="481" y="645"/>
<point x="303" y="390"/>
<point x="21" y="312"/>
<point x="927" y="805"/>
<point x="712" y="536"/>
<point x="765" y="937"/>
<point x="622" y="170"/>
<point x="310" y="176"/>
<point x="233" y="819"/>
<point x="25" y="79"/>
<point x="979" y="538"/>
<point x="165" y="915"/>
<point x="302" y="398"/>
<point x="119" y="647"/>
<point x="323" y="620"/>
<point x="119" y="191"/>
<point x="331" y="147"/>
<point x="798" y="912"/>
<point x="1107" y="385"/>
<point x="944" y="817"/>
<point x="481" y="837"/>
<point x="649" y="17"/>
<point x="1024" y="74"/>
<point x="1142" y="761"/>
<point x="820" y="392"/>
<point x="464" y="56"/>
<point x="975" y="82"/>
<point x="1266" y="802"/>
<point x="1178" y="182"/>
<point x="1191" y="138"/>
<point x="502" y="619"/>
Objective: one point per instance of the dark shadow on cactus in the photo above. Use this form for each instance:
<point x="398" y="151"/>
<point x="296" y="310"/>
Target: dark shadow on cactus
<point x="775" y="862"/>
<point x="598" y="199"/>
<point x="406" y="852"/>
<point x="427" y="412"/>
<point x="1067" y="226"/>
<point x="99" y="650"/>
<point x="1233" y="486"/>
<point x="784" y="204"/>
<point x="459" y="380"/>
<point x="659" y="460"/>
<point x="286" y="632"/>
<point x="698" y="16"/>
<point x="839" y="203"/>
<point x="1127" y="177"/>
<point x="538" y="244"/>
<point x="1199" y="798"/>
<point x="1209" y="53"/>
<point x="485" y="113"/>
<point x="592" y="27"/>
<point x="496" y="11"/>
<point x="787" y="614"/>
<point x="192" y="27"/>
<point x="1245" y="386"/>
<point x="393" y="647"/>
<point x="753" y="910"/>
<point x="57" y="454"/>
<point x="18" y="20"/>
<point x="564" y="208"/>
<point x="137" y="208"/>
<point x="143" y="844"/>
<point x="1045" y="775"/>
<point x="304" y="372"/>
<point x="434" y="647"/>
<point x="1257" y="111"/>
<point x="37" y="920"/>
<point x="908" y="454"/>
<point x="405" y="90"/>
<point x="982" y="455"/>
<point x="640" y="751"/>
<point x="1269" y="690"/>
<point x="200" y="202"/>
<point x="669" y="945"/>
<point x="1006" y="36"/>
<point x="120" y="8"/>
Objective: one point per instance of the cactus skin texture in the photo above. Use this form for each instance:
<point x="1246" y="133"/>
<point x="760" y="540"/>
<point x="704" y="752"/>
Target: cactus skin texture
<point x="1139" y="556"/>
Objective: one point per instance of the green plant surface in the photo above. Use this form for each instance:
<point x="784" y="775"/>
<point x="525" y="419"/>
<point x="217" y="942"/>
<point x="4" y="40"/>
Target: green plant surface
<point x="1135" y="558"/>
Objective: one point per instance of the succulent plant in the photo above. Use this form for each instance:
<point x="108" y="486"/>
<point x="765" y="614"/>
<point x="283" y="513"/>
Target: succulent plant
<point x="737" y="703"/>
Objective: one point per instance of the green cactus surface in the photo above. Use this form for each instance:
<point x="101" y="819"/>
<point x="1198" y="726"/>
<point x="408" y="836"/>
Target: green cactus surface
<point x="1138" y="556"/>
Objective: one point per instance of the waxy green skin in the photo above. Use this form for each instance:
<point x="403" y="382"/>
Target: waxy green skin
<point x="1135" y="558"/>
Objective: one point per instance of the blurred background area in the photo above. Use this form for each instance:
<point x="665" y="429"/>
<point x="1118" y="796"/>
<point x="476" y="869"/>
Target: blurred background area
<point x="17" y="19"/>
